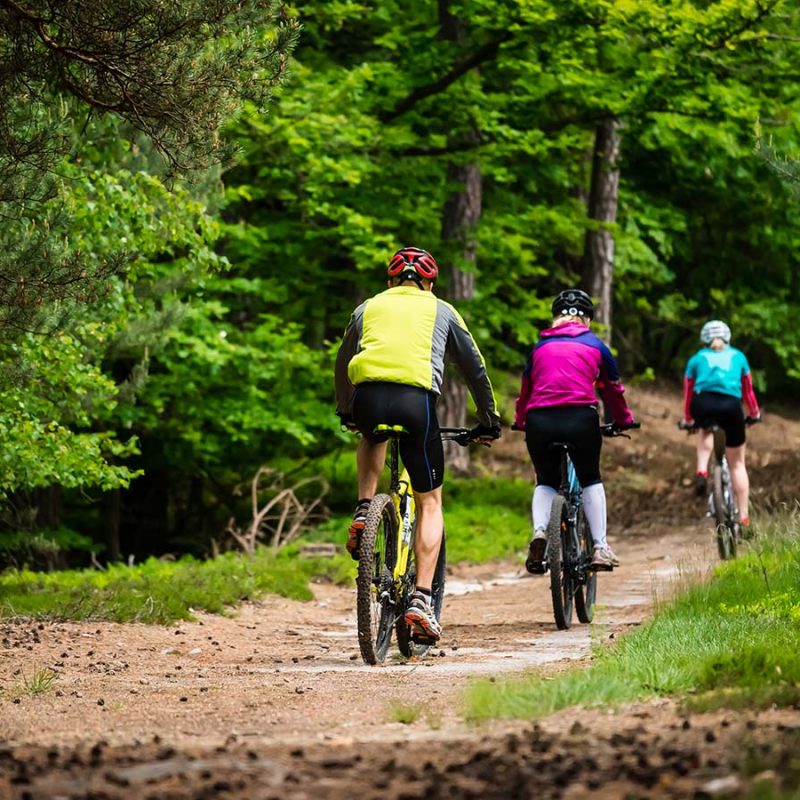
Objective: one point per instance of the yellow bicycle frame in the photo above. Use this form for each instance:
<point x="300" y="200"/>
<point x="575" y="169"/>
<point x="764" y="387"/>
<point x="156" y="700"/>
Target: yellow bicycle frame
<point x="405" y="523"/>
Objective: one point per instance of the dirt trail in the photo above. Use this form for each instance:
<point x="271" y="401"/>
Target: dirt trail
<point x="286" y="670"/>
<point x="275" y="702"/>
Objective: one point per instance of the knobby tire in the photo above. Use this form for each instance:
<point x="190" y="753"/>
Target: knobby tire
<point x="561" y="583"/>
<point x="726" y="534"/>
<point x="375" y="619"/>
<point x="586" y="595"/>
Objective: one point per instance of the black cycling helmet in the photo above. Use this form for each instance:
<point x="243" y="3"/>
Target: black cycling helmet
<point x="413" y="263"/>
<point x="573" y="303"/>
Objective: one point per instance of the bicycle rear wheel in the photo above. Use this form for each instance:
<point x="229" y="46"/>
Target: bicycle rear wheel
<point x="375" y="601"/>
<point x="726" y="534"/>
<point x="586" y="595"/>
<point x="404" y="641"/>
<point x="562" y="586"/>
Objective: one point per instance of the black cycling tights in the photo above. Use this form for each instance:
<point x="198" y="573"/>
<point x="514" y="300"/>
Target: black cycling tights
<point x="413" y="408"/>
<point x="579" y="427"/>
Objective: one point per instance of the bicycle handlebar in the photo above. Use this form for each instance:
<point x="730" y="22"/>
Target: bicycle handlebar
<point x="460" y="436"/>
<point x="609" y="429"/>
<point x="694" y="427"/>
<point x="612" y="429"/>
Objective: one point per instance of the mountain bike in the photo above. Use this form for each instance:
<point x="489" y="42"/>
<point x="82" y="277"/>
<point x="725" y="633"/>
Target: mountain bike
<point x="568" y="555"/>
<point x="386" y="572"/>
<point x="722" y="505"/>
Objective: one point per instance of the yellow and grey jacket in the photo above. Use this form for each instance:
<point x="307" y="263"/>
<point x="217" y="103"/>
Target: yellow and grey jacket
<point x="402" y="335"/>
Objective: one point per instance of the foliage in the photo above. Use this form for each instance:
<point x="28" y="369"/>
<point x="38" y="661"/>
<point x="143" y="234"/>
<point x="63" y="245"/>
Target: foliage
<point x="48" y="392"/>
<point x="355" y="157"/>
<point x="731" y="641"/>
<point x="44" y="547"/>
<point x="164" y="591"/>
<point x="174" y="73"/>
<point x="486" y="518"/>
<point x="199" y="319"/>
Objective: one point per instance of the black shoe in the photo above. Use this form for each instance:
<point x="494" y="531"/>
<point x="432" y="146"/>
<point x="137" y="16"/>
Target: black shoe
<point x="535" y="563"/>
<point x="700" y="485"/>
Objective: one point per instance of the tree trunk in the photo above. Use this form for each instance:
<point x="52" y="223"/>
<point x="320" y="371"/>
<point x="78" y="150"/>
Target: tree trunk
<point x="111" y="505"/>
<point x="49" y="503"/>
<point x="460" y="215"/>
<point x="598" y="252"/>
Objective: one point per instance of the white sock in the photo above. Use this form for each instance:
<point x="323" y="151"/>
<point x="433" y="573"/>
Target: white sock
<point x="540" y="506"/>
<point x="594" y="505"/>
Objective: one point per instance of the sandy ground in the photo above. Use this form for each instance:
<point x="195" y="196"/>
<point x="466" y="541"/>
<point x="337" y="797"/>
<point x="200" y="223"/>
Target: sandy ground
<point x="288" y="671"/>
<point x="274" y="701"/>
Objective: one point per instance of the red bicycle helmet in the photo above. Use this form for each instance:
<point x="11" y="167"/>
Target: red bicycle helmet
<point x="412" y="263"/>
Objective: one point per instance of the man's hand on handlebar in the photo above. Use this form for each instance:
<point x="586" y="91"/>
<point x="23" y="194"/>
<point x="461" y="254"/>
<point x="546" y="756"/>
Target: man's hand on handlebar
<point x="485" y="434"/>
<point x="688" y="425"/>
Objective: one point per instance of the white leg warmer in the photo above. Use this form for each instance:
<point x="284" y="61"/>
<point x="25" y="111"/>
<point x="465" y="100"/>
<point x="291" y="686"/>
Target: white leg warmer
<point x="541" y="505"/>
<point x="594" y="504"/>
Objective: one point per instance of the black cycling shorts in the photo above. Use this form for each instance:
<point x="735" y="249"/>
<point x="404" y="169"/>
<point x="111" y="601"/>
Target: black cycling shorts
<point x="725" y="410"/>
<point x="579" y="427"/>
<point x="415" y="409"/>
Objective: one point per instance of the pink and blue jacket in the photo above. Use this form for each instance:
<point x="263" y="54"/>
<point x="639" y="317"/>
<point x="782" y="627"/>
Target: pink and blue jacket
<point x="565" y="367"/>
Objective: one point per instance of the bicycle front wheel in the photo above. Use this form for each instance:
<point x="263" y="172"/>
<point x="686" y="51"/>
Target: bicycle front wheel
<point x="586" y="595"/>
<point x="562" y="586"/>
<point x="404" y="641"/>
<point x="375" y="590"/>
<point x="726" y="534"/>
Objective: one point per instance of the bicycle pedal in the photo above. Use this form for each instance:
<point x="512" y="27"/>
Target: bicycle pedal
<point x="418" y="638"/>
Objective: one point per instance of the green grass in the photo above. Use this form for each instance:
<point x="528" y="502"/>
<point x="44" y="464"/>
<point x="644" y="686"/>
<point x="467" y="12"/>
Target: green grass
<point x="730" y="641"/>
<point x="164" y="591"/>
<point x="404" y="713"/>
<point x="486" y="518"/>
<point x="40" y="681"/>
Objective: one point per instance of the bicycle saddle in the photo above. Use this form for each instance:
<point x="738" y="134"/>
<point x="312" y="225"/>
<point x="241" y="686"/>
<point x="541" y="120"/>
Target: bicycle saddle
<point x="390" y="430"/>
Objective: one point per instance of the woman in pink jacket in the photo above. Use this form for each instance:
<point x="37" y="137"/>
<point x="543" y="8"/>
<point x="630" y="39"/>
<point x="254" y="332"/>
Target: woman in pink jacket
<point x="557" y="403"/>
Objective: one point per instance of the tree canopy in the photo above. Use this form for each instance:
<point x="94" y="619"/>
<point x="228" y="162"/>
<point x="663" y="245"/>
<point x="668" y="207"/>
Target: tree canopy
<point x="204" y="310"/>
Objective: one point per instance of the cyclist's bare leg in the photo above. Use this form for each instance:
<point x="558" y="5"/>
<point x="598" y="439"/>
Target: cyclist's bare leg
<point x="741" y="481"/>
<point x="371" y="458"/>
<point x="428" y="537"/>
<point x="705" y="447"/>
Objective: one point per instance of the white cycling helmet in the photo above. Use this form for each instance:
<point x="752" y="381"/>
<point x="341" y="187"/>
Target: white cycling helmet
<point x="715" y="329"/>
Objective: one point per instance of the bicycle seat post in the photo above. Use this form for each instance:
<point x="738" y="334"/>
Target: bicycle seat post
<point x="394" y="463"/>
<point x="394" y="433"/>
<point x="562" y="447"/>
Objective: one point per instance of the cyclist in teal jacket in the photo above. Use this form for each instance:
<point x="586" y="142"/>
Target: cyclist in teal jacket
<point x="716" y="382"/>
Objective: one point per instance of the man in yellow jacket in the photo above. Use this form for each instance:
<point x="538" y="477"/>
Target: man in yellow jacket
<point x="389" y="370"/>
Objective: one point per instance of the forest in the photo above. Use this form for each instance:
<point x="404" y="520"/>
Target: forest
<point x="194" y="199"/>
